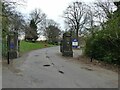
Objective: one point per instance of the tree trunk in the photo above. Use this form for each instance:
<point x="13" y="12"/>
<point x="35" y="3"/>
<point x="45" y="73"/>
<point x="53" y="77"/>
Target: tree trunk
<point x="77" y="30"/>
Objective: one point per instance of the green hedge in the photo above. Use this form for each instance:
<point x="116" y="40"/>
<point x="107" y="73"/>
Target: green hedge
<point x="103" y="49"/>
<point x="104" y="45"/>
<point x="4" y="47"/>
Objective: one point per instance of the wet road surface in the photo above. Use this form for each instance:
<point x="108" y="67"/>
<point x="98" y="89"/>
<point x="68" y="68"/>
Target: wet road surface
<point x="47" y="68"/>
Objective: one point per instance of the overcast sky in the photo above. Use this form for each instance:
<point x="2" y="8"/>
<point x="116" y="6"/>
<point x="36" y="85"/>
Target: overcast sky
<point x="52" y="8"/>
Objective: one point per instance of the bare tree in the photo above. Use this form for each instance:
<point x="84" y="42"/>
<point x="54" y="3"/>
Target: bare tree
<point x="106" y="7"/>
<point x="52" y="30"/>
<point x="11" y="19"/>
<point x="118" y="5"/>
<point x="103" y="11"/>
<point x="17" y="22"/>
<point x="53" y="34"/>
<point x="39" y="19"/>
<point x="38" y="16"/>
<point x="76" y="16"/>
<point x="51" y="22"/>
<point x="92" y="21"/>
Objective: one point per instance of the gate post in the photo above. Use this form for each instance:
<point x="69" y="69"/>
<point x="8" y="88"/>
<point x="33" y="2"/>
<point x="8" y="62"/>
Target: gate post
<point x="12" y="45"/>
<point x="67" y="45"/>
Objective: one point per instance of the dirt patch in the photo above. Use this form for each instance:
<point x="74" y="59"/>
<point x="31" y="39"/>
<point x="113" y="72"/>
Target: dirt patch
<point x="86" y="60"/>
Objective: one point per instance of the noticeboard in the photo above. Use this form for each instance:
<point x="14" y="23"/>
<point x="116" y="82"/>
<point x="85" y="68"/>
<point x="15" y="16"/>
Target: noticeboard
<point x="75" y="43"/>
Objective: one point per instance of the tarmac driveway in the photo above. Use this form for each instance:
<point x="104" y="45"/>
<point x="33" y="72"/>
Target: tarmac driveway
<point x="47" y="68"/>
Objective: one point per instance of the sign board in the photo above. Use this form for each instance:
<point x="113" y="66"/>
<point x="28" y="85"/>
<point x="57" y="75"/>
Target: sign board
<point x="11" y="45"/>
<point x="75" y="43"/>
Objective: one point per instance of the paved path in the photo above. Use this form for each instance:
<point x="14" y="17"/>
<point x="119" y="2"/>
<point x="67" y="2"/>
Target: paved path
<point x="46" y="68"/>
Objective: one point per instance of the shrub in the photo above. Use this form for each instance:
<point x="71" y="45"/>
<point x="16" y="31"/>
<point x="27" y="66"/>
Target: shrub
<point x="104" y="45"/>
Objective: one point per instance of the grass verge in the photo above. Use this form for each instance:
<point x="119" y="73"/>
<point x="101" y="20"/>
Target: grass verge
<point x="29" y="46"/>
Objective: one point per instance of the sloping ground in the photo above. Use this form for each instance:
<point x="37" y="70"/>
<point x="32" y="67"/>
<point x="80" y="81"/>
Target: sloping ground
<point x="29" y="46"/>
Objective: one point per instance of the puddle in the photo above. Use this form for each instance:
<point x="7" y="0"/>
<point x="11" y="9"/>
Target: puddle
<point x="36" y="55"/>
<point x="61" y="72"/>
<point x="89" y="69"/>
<point x="47" y="57"/>
<point x="52" y="63"/>
<point x="47" y="65"/>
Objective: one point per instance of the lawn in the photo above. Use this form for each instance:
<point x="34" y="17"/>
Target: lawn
<point x="29" y="46"/>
